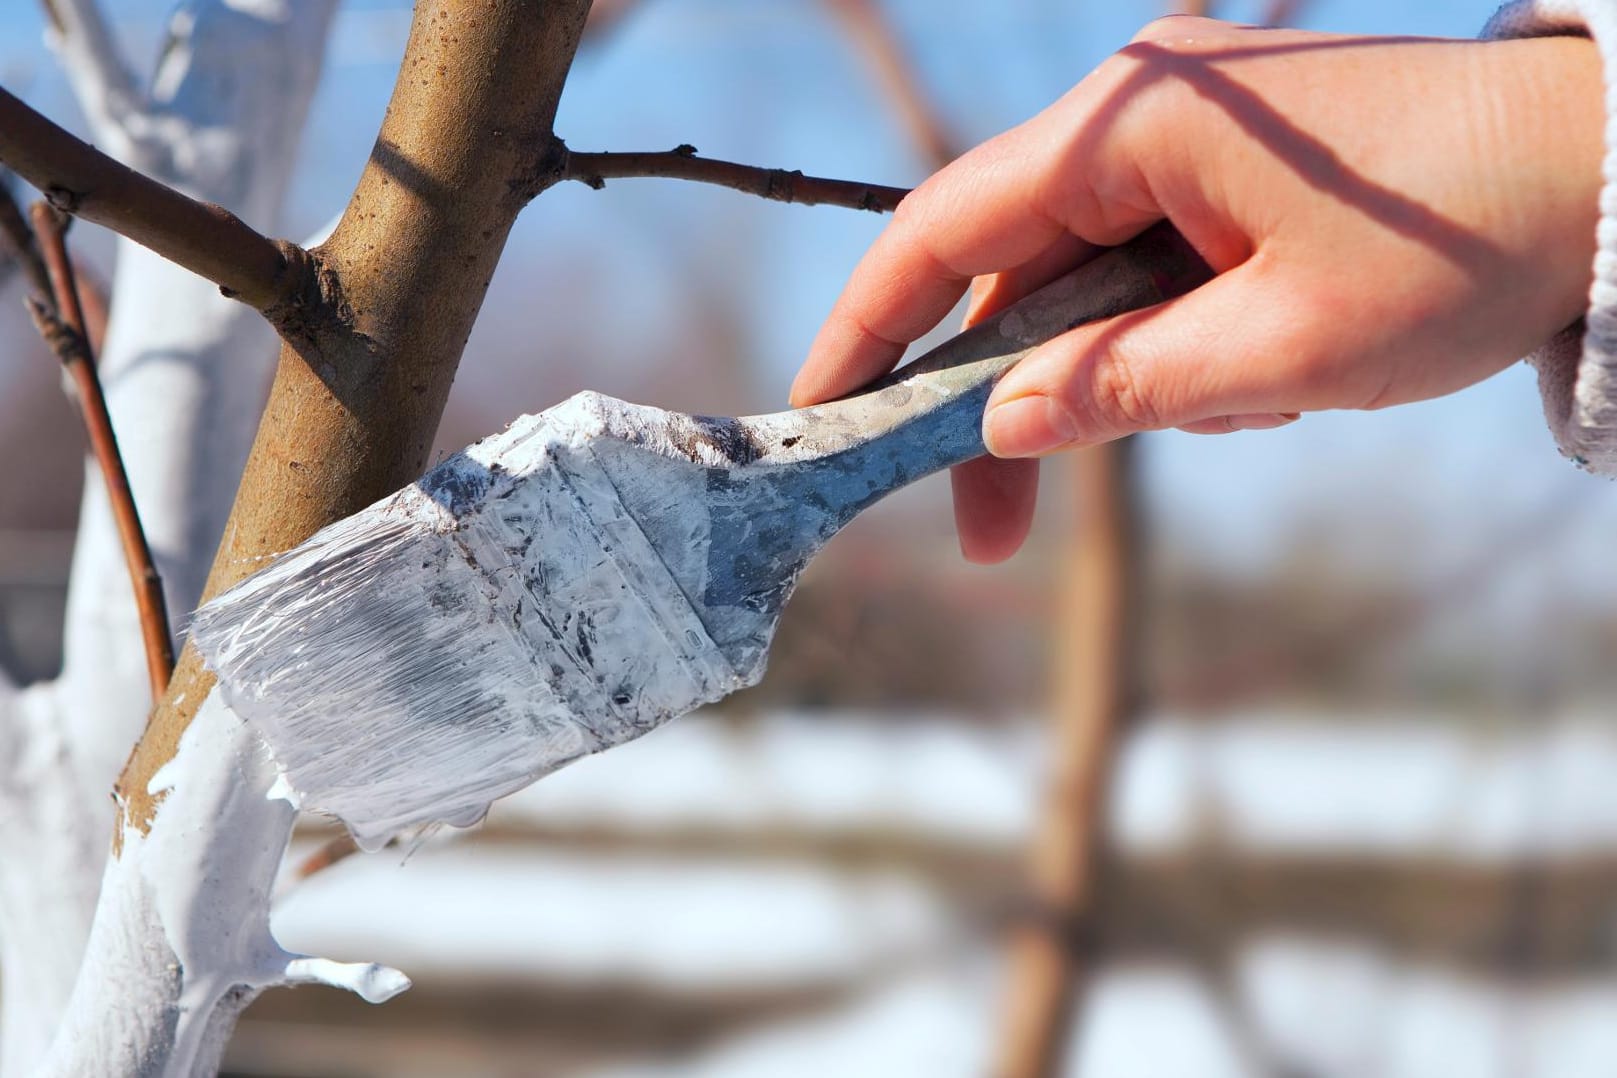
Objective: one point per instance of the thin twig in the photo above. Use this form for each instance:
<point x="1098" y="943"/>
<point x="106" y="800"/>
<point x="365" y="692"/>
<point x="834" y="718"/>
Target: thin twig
<point x="50" y="233"/>
<point x="1281" y="13"/>
<point x="208" y="240"/>
<point x="873" y="35"/>
<point x="330" y="853"/>
<point x="64" y="330"/>
<point x="18" y="240"/>
<point x="53" y="15"/>
<point x="93" y="298"/>
<point x="334" y="851"/>
<point x="778" y="184"/>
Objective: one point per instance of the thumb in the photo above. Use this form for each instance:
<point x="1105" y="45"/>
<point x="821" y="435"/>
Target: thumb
<point x="1226" y="348"/>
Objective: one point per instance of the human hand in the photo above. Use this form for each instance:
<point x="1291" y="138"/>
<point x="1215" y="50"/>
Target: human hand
<point x="1388" y="219"/>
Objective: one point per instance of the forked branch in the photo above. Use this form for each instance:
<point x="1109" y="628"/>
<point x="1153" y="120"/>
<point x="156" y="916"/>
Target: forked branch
<point x="208" y="240"/>
<point x="65" y="332"/>
<point x="777" y="184"/>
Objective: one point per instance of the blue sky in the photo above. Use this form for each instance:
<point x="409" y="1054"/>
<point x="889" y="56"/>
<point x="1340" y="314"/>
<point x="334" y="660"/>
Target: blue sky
<point x="774" y="83"/>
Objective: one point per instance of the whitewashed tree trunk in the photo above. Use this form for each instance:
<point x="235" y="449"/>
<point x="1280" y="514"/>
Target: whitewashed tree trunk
<point x="185" y="372"/>
<point x="181" y="941"/>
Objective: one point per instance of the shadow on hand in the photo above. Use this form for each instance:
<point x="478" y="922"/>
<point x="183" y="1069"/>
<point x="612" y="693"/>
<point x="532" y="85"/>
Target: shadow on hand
<point x="1311" y="159"/>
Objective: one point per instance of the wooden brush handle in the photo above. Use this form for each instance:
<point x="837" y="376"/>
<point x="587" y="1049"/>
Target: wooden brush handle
<point x="928" y="414"/>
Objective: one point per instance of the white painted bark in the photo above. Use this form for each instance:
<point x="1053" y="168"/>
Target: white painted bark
<point x="50" y="846"/>
<point x="185" y="373"/>
<point x="103" y="83"/>
<point x="181" y="941"/>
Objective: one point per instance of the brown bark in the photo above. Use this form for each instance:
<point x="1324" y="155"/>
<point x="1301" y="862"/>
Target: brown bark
<point x="777" y="184"/>
<point x="68" y="333"/>
<point x="18" y="239"/>
<point x="371" y="351"/>
<point x="208" y="240"/>
<point x="1093" y="675"/>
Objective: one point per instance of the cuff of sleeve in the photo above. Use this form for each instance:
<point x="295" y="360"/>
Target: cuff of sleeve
<point x="1577" y="369"/>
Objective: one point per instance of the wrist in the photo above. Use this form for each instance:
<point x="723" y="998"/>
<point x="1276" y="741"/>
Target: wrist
<point x="1541" y="139"/>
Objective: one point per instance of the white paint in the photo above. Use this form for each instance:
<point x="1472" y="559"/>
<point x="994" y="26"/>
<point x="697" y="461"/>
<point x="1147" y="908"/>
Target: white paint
<point x="497" y="620"/>
<point x="369" y="981"/>
<point x="105" y="87"/>
<point x="51" y="848"/>
<point x="186" y="909"/>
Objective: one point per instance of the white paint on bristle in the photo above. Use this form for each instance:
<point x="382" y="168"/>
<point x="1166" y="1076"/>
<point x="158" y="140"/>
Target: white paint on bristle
<point x="467" y="635"/>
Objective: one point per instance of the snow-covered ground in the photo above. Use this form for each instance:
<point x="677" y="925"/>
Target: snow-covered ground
<point x="925" y="993"/>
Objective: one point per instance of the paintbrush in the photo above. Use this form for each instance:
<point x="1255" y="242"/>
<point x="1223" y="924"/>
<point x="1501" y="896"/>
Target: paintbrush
<point x="592" y="572"/>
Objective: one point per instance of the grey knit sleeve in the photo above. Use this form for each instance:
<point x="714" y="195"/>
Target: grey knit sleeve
<point x="1577" y="369"/>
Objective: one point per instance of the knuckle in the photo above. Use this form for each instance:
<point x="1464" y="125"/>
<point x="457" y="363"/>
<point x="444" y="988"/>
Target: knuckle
<point x="1314" y="374"/>
<point x="1171" y="30"/>
<point x="911" y="209"/>
<point x="1119" y="398"/>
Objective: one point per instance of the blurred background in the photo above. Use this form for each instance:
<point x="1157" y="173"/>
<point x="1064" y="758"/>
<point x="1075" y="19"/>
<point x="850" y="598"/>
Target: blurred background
<point x="1283" y="753"/>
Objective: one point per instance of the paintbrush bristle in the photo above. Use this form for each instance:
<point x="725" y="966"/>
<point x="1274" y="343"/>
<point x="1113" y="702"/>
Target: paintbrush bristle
<point x="496" y="620"/>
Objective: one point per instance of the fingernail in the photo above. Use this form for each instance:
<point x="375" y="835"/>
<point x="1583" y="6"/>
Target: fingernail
<point x="1028" y="426"/>
<point x="1262" y="420"/>
<point x="798" y="396"/>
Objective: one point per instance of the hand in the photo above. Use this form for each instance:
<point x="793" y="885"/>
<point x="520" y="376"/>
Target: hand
<point x="1388" y="219"/>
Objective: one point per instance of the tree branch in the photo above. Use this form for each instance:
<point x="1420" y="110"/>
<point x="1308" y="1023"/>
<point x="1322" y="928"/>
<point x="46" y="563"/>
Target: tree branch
<point x="778" y="184"/>
<point x="102" y="81"/>
<point x="206" y="239"/>
<point x="65" y="331"/>
<point x="18" y="239"/>
<point x="1281" y="13"/>
<point x="874" y="37"/>
<point x="333" y="851"/>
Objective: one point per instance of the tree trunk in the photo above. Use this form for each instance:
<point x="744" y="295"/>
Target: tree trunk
<point x="1093" y="670"/>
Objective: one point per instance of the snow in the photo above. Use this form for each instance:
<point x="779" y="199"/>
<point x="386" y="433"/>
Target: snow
<point x="1388" y="785"/>
<point x="921" y="773"/>
<point x="927" y="998"/>
<point x="496" y="911"/>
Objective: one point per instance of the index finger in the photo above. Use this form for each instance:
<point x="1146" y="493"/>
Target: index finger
<point x="996" y="208"/>
<point x="972" y="217"/>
